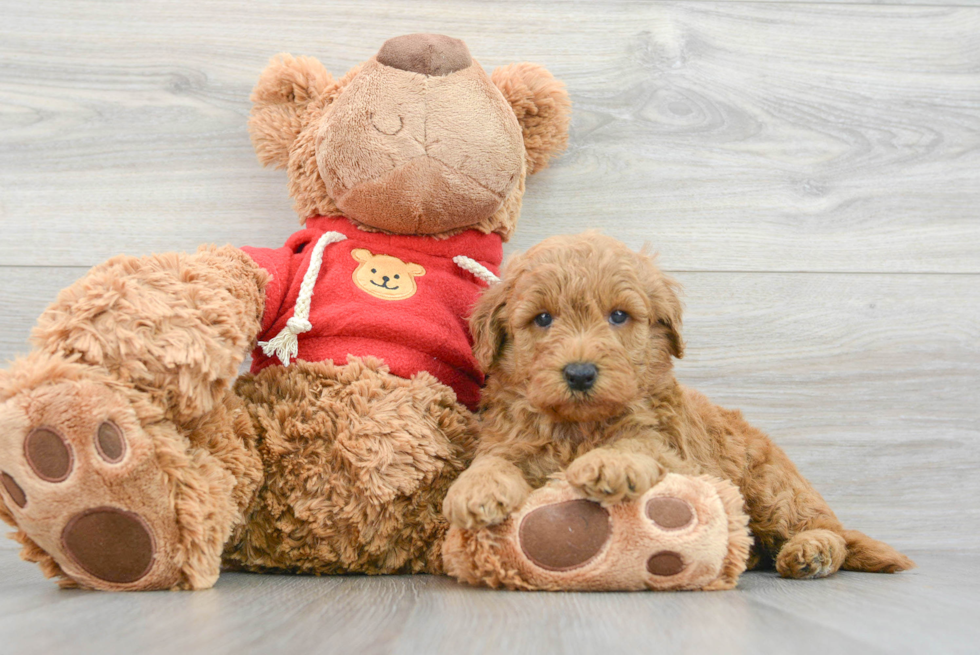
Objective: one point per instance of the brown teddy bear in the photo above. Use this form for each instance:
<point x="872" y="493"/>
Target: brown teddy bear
<point x="131" y="458"/>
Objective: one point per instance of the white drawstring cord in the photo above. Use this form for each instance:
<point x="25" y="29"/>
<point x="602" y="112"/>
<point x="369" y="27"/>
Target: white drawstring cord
<point x="477" y="269"/>
<point x="285" y="345"/>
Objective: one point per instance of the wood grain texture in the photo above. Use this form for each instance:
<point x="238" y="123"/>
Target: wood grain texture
<point x="931" y="609"/>
<point x="741" y="136"/>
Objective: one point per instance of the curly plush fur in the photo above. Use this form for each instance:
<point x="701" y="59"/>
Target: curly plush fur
<point x="617" y="439"/>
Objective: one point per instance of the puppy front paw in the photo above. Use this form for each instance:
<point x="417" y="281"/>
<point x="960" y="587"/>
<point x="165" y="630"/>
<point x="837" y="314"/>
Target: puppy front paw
<point x="608" y="476"/>
<point x="480" y="498"/>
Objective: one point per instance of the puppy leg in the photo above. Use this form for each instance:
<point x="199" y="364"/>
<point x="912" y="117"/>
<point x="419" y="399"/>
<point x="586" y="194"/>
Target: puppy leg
<point x="623" y="470"/>
<point x="811" y="554"/>
<point x="486" y="493"/>
<point x="795" y="525"/>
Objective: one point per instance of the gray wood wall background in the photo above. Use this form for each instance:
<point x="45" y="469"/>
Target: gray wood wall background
<point x="809" y="171"/>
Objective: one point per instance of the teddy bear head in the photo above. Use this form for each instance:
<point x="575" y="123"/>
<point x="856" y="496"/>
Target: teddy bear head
<point x="417" y="140"/>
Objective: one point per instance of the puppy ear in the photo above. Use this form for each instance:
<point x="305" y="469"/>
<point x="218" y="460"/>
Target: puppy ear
<point x="542" y="107"/>
<point x="488" y="322"/>
<point x="662" y="290"/>
<point x="285" y="89"/>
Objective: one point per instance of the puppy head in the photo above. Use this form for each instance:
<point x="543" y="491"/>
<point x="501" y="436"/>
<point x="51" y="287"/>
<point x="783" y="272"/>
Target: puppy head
<point x="582" y="324"/>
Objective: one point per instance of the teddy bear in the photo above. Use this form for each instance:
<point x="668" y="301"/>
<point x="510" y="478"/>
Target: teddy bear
<point x="132" y="454"/>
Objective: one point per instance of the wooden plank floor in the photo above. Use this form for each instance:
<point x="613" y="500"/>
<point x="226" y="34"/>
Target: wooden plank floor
<point x="810" y="171"/>
<point x="932" y="609"/>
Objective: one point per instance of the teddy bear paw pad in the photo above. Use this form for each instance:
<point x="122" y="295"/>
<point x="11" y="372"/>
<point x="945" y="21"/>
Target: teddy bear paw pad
<point x="565" y="535"/>
<point x="670" y="513"/>
<point x="80" y="477"/>
<point x="109" y="543"/>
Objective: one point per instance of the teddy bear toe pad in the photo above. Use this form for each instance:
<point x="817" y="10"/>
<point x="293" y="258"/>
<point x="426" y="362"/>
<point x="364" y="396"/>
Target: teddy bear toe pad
<point x="80" y="478"/>
<point x="670" y="513"/>
<point x="684" y="533"/>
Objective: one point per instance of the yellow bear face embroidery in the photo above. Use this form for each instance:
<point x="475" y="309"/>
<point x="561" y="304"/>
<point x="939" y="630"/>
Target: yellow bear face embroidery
<point x="384" y="276"/>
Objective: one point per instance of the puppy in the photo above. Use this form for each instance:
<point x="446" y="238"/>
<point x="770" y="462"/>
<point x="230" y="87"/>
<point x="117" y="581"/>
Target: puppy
<point x="577" y="341"/>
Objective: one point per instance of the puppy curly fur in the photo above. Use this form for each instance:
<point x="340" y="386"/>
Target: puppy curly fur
<point x="617" y="439"/>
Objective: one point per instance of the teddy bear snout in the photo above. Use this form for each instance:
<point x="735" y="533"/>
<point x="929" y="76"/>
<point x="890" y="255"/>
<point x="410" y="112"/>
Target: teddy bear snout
<point x="429" y="54"/>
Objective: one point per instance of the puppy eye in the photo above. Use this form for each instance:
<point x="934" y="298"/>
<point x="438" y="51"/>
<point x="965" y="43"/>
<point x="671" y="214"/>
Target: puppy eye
<point x="374" y="270"/>
<point x="618" y="317"/>
<point x="543" y="319"/>
<point x="397" y="276"/>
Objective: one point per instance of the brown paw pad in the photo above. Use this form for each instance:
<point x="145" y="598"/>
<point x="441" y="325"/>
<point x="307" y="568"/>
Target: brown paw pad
<point x="665" y="563"/>
<point x="13" y="489"/>
<point x="109" y="443"/>
<point x="565" y="535"/>
<point x="110" y="544"/>
<point x="48" y="454"/>
<point x="670" y="513"/>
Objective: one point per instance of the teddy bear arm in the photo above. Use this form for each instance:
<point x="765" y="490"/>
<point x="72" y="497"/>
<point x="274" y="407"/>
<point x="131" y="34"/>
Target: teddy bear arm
<point x="175" y="325"/>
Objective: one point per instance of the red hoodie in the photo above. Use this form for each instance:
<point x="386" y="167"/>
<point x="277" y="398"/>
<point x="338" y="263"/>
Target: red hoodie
<point x="399" y="298"/>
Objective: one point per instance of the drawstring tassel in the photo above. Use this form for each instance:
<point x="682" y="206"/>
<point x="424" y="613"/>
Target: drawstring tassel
<point x="285" y="345"/>
<point x="479" y="271"/>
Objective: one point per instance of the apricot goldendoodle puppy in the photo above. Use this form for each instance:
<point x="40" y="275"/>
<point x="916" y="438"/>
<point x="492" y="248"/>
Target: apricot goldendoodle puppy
<point x="577" y="341"/>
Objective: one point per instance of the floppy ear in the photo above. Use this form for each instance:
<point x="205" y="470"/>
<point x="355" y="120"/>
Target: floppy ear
<point x="662" y="291"/>
<point x="542" y="107"/>
<point x="285" y="89"/>
<point x="488" y="323"/>
<point x="416" y="270"/>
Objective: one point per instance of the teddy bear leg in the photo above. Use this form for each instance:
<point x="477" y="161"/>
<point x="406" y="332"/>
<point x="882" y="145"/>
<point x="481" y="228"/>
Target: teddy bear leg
<point x="684" y="533"/>
<point x="357" y="463"/>
<point x="106" y="493"/>
<point x="124" y="460"/>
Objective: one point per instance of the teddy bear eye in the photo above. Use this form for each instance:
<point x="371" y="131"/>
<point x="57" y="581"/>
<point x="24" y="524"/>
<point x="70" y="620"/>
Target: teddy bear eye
<point x="397" y="276"/>
<point x="618" y="317"/>
<point x="543" y="319"/>
<point x="374" y="270"/>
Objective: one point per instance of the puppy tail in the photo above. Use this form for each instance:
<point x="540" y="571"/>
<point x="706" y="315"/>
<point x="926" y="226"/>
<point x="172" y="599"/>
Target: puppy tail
<point x="867" y="554"/>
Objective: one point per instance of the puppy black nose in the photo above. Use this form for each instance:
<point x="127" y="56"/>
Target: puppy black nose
<point x="385" y="278"/>
<point x="580" y="376"/>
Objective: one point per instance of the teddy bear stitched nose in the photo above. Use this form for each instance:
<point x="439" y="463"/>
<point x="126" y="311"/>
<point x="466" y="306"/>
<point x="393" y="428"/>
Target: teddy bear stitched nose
<point x="428" y="54"/>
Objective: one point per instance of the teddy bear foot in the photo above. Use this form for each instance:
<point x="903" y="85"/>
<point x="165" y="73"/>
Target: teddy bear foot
<point x="79" y="478"/>
<point x="684" y="533"/>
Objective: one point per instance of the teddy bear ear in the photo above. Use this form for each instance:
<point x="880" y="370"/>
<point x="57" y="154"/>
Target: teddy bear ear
<point x="285" y="89"/>
<point x="542" y="107"/>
